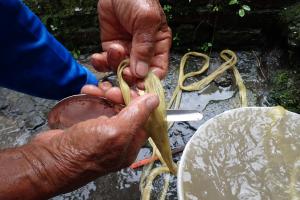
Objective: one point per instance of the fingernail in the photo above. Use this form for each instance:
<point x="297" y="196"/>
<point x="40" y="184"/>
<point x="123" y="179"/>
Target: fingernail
<point x="114" y="54"/>
<point x="152" y="102"/>
<point x="93" y="56"/>
<point x="142" y="69"/>
<point x="141" y="85"/>
<point x="105" y="85"/>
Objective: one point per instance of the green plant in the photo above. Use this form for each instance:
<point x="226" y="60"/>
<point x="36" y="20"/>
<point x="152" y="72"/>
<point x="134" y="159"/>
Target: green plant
<point x="285" y="90"/>
<point x="214" y="7"/>
<point x="206" y="46"/>
<point x="168" y="11"/>
<point x="75" y="53"/>
<point x="219" y="5"/>
<point x="243" y="8"/>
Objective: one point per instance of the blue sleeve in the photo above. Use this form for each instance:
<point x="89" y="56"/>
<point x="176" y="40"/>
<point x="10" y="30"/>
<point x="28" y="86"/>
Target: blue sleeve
<point x="32" y="60"/>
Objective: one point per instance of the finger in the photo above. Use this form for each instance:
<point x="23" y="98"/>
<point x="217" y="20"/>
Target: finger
<point x="141" y="85"/>
<point x="136" y="114"/>
<point x="114" y="94"/>
<point x="128" y="76"/>
<point x="143" y="43"/>
<point x="104" y="86"/>
<point x="162" y="51"/>
<point x="99" y="62"/>
<point x="92" y="90"/>
<point x="134" y="94"/>
<point x="127" y="72"/>
<point x="160" y="73"/>
<point x="115" y="55"/>
<point x="130" y="79"/>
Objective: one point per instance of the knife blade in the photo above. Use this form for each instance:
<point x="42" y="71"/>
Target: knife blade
<point x="183" y="115"/>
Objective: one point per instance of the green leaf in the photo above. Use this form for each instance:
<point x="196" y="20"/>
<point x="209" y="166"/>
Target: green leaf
<point x="246" y="7"/>
<point x="241" y="12"/>
<point x="167" y="8"/>
<point x="233" y="2"/>
<point x="216" y="9"/>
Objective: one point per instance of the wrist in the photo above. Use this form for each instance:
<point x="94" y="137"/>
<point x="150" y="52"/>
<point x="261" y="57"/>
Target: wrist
<point x="65" y="163"/>
<point x="43" y="170"/>
<point x="51" y="167"/>
<point x="25" y="173"/>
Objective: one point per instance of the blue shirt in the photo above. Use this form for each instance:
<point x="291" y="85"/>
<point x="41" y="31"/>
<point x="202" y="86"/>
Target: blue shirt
<point x="32" y="60"/>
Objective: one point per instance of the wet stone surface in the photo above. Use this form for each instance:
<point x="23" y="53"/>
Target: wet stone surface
<point x="23" y="116"/>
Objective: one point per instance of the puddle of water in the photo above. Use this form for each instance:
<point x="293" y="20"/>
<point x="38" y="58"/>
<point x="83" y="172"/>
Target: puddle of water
<point x="199" y="100"/>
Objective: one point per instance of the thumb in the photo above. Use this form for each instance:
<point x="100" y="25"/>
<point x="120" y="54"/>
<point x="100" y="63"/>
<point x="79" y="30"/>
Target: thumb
<point x="136" y="114"/>
<point x="143" y="45"/>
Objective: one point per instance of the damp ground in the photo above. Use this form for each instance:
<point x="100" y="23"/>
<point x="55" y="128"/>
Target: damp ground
<point x="22" y="117"/>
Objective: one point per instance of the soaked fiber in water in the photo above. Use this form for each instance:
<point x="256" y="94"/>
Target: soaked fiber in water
<point x="252" y="153"/>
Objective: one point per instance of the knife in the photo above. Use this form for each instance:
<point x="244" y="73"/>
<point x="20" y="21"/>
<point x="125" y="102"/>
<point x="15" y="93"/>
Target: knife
<point x="183" y="115"/>
<point x="81" y="107"/>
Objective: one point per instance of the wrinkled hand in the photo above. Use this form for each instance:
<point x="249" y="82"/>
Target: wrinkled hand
<point x="137" y="29"/>
<point x="106" y="90"/>
<point x="58" y="161"/>
<point x="96" y="147"/>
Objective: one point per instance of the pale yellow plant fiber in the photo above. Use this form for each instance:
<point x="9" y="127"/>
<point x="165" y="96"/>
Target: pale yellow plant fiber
<point x="157" y="127"/>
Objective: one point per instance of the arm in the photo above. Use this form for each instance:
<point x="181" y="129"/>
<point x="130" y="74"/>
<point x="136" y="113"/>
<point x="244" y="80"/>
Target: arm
<point x="27" y="173"/>
<point x="59" y="161"/>
<point x="32" y="60"/>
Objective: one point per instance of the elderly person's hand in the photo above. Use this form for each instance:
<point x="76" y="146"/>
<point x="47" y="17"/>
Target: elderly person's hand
<point x="59" y="161"/>
<point x="137" y="29"/>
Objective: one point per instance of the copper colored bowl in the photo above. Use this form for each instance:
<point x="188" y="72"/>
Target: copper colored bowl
<point x="77" y="108"/>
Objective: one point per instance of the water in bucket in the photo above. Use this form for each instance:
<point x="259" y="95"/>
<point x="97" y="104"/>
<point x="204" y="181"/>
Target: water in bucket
<point x="246" y="153"/>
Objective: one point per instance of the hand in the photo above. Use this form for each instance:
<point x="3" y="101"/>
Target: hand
<point x="59" y="161"/>
<point x="137" y="29"/>
<point x="106" y="90"/>
<point x="95" y="147"/>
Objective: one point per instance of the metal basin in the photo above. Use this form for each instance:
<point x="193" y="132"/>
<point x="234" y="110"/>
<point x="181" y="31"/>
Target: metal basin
<point x="78" y="108"/>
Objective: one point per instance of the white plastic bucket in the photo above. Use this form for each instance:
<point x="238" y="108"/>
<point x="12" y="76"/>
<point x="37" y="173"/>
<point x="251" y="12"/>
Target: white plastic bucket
<point x="245" y="153"/>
